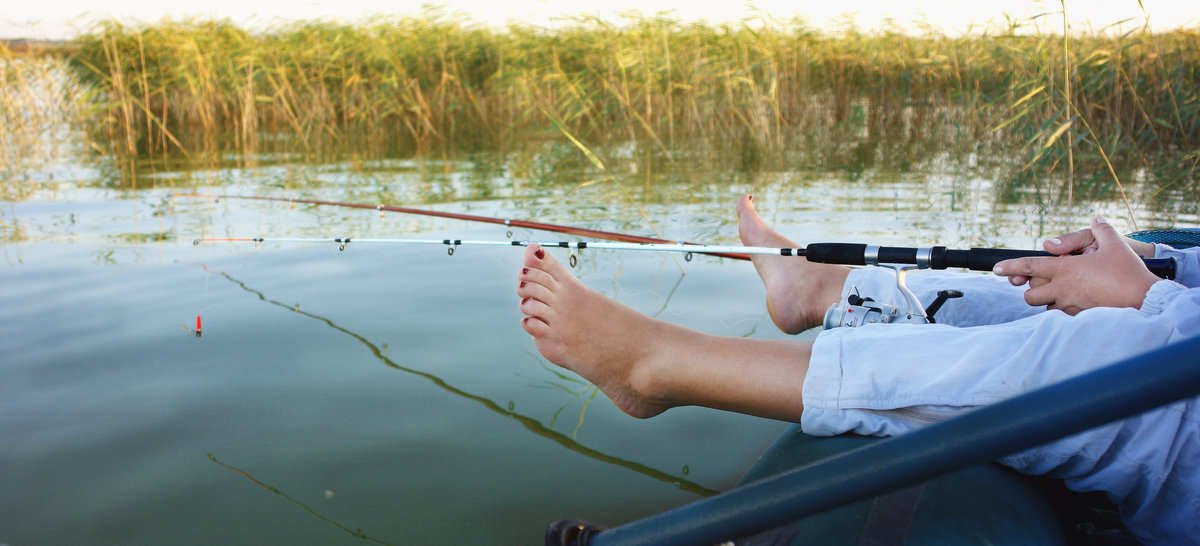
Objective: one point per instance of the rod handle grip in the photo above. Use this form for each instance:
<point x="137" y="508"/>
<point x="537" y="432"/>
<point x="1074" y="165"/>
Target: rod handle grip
<point x="984" y="259"/>
<point x="976" y="259"/>
<point x="836" y="253"/>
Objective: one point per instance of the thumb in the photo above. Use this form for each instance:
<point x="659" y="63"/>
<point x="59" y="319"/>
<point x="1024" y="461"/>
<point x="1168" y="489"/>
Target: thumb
<point x="1105" y="234"/>
<point x="1076" y="241"/>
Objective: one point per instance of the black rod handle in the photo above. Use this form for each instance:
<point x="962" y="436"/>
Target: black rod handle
<point x="939" y="257"/>
<point x="984" y="259"/>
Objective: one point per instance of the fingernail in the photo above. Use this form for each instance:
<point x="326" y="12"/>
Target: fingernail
<point x="750" y="197"/>
<point x="1101" y="220"/>
<point x="524" y="270"/>
<point x="539" y="253"/>
<point x="522" y="285"/>
<point x="1054" y="241"/>
<point x="524" y="300"/>
<point x="997" y="270"/>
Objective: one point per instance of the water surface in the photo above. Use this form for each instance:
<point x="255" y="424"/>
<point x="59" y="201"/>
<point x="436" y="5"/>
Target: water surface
<point x="389" y="390"/>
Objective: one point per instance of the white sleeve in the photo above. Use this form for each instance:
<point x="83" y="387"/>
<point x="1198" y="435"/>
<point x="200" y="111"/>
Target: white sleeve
<point x="1187" y="263"/>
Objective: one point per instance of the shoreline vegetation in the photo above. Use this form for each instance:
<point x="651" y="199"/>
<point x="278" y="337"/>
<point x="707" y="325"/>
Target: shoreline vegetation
<point x="1096" y="108"/>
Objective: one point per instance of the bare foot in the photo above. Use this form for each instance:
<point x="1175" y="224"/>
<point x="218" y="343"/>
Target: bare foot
<point x="580" y="329"/>
<point x="798" y="291"/>
<point x="647" y="366"/>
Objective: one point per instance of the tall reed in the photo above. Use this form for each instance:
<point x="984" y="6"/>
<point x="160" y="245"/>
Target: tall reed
<point x="433" y="82"/>
<point x="41" y="107"/>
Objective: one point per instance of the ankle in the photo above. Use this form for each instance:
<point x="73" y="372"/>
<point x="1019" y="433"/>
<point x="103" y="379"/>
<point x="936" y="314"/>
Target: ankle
<point x="653" y="376"/>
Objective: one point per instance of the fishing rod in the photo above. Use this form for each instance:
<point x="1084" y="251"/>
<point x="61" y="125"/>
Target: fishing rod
<point x="452" y="244"/>
<point x="936" y="257"/>
<point x="855" y="311"/>
<point x="508" y="222"/>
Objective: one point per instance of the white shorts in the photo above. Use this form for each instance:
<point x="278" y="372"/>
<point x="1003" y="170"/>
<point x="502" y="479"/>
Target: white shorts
<point x="887" y="379"/>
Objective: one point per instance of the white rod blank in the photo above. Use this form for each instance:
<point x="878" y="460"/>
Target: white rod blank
<point x="576" y="245"/>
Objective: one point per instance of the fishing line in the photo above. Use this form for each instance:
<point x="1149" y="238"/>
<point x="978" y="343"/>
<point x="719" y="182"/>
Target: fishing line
<point x="198" y="327"/>
<point x="200" y="307"/>
<point x="205" y="302"/>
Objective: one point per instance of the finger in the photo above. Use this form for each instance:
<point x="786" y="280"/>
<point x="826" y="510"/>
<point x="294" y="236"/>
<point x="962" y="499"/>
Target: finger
<point x="1013" y="267"/>
<point x="1038" y="282"/>
<point x="1076" y="241"/>
<point x="1113" y="243"/>
<point x="1105" y="234"/>
<point x="1040" y="296"/>
<point x="1018" y="280"/>
<point x="1027" y="267"/>
<point x="1070" y="310"/>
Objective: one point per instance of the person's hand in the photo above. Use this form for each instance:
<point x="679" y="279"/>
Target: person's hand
<point x="1108" y="272"/>
<point x="1083" y="242"/>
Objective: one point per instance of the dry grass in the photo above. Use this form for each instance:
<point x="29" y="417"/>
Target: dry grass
<point x="41" y="105"/>
<point x="434" y="83"/>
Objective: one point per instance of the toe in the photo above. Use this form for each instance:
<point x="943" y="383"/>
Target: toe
<point x="537" y="258"/>
<point x="534" y="256"/>
<point x="535" y="309"/>
<point x="534" y="326"/>
<point x="535" y="291"/>
<point x="535" y="275"/>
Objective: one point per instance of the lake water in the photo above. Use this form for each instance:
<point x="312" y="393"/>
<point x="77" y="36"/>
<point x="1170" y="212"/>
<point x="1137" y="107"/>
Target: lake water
<point x="389" y="390"/>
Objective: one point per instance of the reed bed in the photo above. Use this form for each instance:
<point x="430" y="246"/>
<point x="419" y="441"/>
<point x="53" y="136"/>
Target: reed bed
<point x="1103" y="104"/>
<point x="41" y="105"/>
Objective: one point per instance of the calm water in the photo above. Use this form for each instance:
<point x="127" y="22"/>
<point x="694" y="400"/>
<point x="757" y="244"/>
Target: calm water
<point x="389" y="389"/>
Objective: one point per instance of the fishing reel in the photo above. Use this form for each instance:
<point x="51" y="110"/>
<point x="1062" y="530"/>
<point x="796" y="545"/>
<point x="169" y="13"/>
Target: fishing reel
<point x="858" y="311"/>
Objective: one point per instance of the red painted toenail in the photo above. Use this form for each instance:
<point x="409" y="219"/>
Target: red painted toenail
<point x="525" y="271"/>
<point x="522" y="284"/>
<point x="540" y="253"/>
<point x="524" y="300"/>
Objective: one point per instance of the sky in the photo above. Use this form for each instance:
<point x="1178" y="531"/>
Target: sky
<point x="60" y="19"/>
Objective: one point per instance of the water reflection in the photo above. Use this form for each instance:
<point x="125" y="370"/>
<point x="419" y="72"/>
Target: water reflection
<point x="533" y="425"/>
<point x="356" y="533"/>
<point x="647" y="191"/>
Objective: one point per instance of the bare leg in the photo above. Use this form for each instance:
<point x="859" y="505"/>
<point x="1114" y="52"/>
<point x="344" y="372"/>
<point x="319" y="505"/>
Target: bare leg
<point x="646" y="366"/>
<point x="798" y="291"/>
